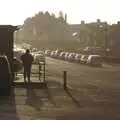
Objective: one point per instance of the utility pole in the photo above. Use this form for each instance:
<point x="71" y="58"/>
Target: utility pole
<point x="106" y="39"/>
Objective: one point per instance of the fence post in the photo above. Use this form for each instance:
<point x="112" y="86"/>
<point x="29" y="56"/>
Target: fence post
<point x="39" y="70"/>
<point x="44" y="72"/>
<point x="65" y="80"/>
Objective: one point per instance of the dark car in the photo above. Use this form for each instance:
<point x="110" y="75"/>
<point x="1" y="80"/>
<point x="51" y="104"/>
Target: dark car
<point x="5" y="76"/>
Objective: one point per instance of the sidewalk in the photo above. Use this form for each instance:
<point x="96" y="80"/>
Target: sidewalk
<point x="43" y="103"/>
<point x="38" y="103"/>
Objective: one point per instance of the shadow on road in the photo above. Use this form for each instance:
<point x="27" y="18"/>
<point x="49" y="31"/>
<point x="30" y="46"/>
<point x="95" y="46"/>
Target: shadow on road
<point x="73" y="99"/>
<point x="57" y="89"/>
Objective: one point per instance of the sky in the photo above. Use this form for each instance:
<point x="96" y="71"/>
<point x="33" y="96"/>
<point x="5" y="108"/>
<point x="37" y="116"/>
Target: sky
<point x="14" y="12"/>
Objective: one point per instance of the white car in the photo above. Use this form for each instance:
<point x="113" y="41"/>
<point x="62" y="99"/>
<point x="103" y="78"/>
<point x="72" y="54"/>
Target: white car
<point x="38" y="52"/>
<point x="71" y="56"/>
<point x="61" y="55"/>
<point x="56" y="54"/>
<point x="77" y="57"/>
<point x="39" y="58"/>
<point x="52" y="53"/>
<point x="47" y="52"/>
<point x="94" y="60"/>
<point x="66" y="56"/>
<point x="17" y="54"/>
<point x="83" y="59"/>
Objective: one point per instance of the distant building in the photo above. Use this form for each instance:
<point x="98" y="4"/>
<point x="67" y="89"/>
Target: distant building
<point x="114" y="39"/>
<point x="97" y="34"/>
<point x="83" y="32"/>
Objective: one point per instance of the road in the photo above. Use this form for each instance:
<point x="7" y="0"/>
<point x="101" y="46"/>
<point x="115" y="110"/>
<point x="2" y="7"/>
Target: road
<point x="81" y="74"/>
<point x="93" y="94"/>
<point x="97" y="88"/>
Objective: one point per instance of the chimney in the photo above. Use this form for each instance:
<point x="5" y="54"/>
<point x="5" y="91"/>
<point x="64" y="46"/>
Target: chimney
<point x="82" y="22"/>
<point x="65" y="18"/>
<point x="98" y="21"/>
<point x="118" y="22"/>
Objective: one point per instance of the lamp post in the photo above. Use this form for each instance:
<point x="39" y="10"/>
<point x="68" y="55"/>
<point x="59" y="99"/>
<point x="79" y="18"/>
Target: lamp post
<point x="105" y="29"/>
<point x="106" y="40"/>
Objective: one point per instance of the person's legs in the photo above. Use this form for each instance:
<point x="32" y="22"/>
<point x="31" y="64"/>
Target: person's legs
<point x="25" y="71"/>
<point x="28" y="73"/>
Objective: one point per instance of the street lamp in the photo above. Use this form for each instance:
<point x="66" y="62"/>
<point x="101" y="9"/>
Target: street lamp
<point x="106" y="40"/>
<point x="98" y="31"/>
<point x="104" y="27"/>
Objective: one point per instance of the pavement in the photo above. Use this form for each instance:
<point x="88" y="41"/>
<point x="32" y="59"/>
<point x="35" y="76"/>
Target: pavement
<point x="33" y="103"/>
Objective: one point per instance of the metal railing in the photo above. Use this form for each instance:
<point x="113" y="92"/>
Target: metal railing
<point x="37" y="70"/>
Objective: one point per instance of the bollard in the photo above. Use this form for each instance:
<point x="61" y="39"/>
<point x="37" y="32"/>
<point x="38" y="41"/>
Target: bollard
<point x="44" y="72"/>
<point x="39" y="71"/>
<point x="65" y="80"/>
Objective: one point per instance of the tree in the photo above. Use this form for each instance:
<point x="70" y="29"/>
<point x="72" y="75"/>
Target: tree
<point x="45" y="30"/>
<point x="61" y="17"/>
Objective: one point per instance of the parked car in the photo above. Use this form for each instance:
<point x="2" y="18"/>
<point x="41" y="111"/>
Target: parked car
<point x="71" y="57"/>
<point x="94" y="60"/>
<point x="38" y="52"/>
<point x="66" y="55"/>
<point x="77" y="57"/>
<point x="83" y="59"/>
<point x="39" y="58"/>
<point x="94" y="50"/>
<point x="47" y="52"/>
<point x="61" y="56"/>
<point x="17" y="54"/>
<point x="5" y="76"/>
<point x="56" y="54"/>
<point x="34" y="50"/>
<point x="52" y="53"/>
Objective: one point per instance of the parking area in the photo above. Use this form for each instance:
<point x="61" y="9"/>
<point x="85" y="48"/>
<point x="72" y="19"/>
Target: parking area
<point x="83" y="57"/>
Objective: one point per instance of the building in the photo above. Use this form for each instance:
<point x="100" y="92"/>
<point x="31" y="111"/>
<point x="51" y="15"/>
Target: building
<point x="82" y="32"/>
<point x="98" y="33"/>
<point x="114" y="39"/>
<point x="91" y="34"/>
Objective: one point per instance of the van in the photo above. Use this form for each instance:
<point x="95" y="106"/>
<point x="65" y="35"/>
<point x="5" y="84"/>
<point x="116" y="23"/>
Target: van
<point x="94" y="60"/>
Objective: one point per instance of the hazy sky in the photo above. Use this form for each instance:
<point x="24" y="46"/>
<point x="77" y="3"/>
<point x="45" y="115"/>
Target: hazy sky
<point x="16" y="11"/>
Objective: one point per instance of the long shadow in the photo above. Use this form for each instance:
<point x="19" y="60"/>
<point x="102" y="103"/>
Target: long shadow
<point x="8" y="109"/>
<point x="73" y="99"/>
<point x="32" y="99"/>
<point x="59" y="86"/>
<point x="49" y="96"/>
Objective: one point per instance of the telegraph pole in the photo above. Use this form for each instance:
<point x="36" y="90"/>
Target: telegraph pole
<point x="106" y="39"/>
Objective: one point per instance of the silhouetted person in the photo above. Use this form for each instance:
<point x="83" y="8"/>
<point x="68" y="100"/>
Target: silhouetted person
<point x="27" y="60"/>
